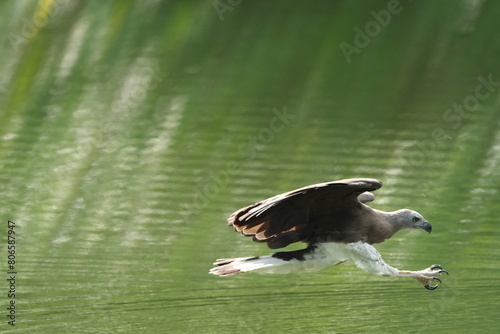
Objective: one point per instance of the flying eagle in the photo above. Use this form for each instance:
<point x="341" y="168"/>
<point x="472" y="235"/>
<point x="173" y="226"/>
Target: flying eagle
<point x="335" y="223"/>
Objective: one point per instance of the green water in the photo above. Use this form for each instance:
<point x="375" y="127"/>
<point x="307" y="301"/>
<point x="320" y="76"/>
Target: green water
<point x="130" y="131"/>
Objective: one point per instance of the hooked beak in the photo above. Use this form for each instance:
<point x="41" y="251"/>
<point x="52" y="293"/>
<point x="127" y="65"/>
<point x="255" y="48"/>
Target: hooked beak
<point x="426" y="226"/>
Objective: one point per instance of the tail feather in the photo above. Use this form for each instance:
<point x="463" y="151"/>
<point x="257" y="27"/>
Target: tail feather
<point x="312" y="258"/>
<point x="228" y="267"/>
<point x="221" y="262"/>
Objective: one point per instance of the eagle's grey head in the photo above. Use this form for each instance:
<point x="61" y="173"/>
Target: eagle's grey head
<point x="413" y="219"/>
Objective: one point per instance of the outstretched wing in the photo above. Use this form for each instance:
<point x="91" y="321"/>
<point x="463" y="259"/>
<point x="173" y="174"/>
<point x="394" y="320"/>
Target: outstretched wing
<point x="296" y="215"/>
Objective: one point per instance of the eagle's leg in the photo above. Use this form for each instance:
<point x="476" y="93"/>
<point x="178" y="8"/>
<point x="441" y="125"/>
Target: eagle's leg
<point x="366" y="257"/>
<point x="426" y="276"/>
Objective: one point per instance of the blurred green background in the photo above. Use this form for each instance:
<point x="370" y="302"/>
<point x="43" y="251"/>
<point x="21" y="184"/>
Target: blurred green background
<point x="130" y="131"/>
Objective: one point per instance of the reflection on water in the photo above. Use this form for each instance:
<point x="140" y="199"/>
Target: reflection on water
<point x="131" y="131"/>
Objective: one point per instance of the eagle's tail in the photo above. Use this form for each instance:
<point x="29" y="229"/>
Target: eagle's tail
<point x="262" y="264"/>
<point x="302" y="260"/>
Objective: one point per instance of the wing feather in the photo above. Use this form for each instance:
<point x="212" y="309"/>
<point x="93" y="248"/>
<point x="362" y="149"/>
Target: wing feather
<point x="298" y="214"/>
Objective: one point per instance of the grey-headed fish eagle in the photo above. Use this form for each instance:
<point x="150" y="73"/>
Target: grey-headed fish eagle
<point x="334" y="221"/>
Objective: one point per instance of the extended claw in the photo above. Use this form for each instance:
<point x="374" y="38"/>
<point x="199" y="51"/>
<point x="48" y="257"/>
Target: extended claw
<point x="433" y="287"/>
<point x="437" y="266"/>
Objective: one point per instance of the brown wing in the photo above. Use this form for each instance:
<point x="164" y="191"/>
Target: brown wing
<point x="296" y="215"/>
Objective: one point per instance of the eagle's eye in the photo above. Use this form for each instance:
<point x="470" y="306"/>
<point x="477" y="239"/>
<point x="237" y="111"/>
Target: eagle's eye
<point x="415" y="219"/>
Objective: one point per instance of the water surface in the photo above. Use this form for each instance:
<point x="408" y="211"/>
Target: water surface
<point x="130" y="131"/>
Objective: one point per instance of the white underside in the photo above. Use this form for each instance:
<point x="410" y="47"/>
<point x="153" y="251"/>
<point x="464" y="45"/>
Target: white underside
<point x="364" y="255"/>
